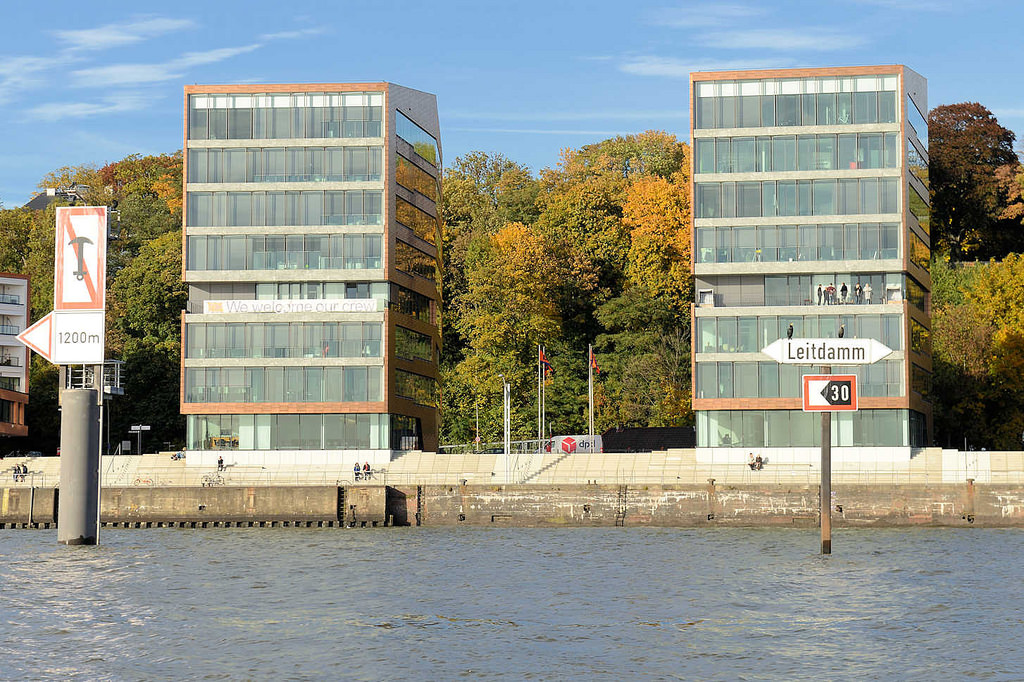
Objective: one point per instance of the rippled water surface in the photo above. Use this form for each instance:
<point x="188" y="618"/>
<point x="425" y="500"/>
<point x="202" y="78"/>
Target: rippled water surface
<point x="420" y="604"/>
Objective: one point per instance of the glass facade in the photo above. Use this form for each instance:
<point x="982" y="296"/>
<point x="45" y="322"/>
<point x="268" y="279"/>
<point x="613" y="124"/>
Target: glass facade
<point x="293" y="384"/>
<point x="793" y="428"/>
<point x="413" y="345"/>
<point x="285" y="164"/>
<point x="284" y="252"/>
<point x="280" y="209"/>
<point x="782" y="102"/>
<point x="423" y="225"/>
<point x="764" y="154"/>
<point x="844" y="167"/>
<point x="769" y="198"/>
<point x="284" y="340"/>
<point x="287" y="431"/>
<point x="285" y="116"/>
<point x="289" y="195"/>
<point x="423" y="143"/>
<point x="411" y="260"/>
<point x="415" y="179"/>
<point x="776" y="243"/>
<point x="416" y="387"/>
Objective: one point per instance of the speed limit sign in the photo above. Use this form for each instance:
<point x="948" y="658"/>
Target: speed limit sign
<point x="830" y="392"/>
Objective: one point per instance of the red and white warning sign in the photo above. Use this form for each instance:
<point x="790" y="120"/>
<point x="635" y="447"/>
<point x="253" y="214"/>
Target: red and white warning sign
<point x="80" y="258"/>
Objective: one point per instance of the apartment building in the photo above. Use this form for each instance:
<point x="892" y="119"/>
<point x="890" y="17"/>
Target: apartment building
<point x="810" y="209"/>
<point x="14" y="356"/>
<point x="312" y="251"/>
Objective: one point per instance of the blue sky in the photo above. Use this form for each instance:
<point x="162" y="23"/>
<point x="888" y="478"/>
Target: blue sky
<point x="93" y="82"/>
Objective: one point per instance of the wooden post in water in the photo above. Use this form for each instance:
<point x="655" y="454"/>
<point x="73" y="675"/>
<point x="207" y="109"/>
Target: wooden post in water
<point x="825" y="496"/>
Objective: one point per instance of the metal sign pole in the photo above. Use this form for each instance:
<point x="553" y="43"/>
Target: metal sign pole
<point x="827" y="393"/>
<point x="825" y="496"/>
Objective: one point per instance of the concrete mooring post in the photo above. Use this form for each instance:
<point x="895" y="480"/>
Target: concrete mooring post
<point x="77" y="515"/>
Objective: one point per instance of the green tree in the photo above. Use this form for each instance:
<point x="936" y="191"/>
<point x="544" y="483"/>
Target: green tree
<point x="15" y="231"/>
<point x="507" y="309"/>
<point x="481" y="194"/>
<point x="144" y="329"/>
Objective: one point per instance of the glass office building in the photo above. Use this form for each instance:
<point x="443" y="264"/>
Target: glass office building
<point x="810" y="209"/>
<point x="311" y="253"/>
<point x="14" y="356"/>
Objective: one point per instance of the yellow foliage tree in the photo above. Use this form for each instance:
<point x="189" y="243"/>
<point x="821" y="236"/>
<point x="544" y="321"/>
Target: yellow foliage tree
<point x="657" y="211"/>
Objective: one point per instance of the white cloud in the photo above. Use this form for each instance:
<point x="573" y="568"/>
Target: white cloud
<point x="299" y="33"/>
<point x="118" y="35"/>
<point x="22" y="73"/>
<point x="806" y="38"/>
<point x="213" y="56"/>
<point x="912" y="5"/>
<point x="702" y="15"/>
<point x="679" y="68"/>
<point x="56" y="111"/>
<point x="137" y="74"/>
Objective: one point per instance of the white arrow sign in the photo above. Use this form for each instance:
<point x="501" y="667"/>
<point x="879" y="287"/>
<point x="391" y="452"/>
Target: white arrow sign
<point x="68" y="337"/>
<point x="826" y="351"/>
<point x="39" y="337"/>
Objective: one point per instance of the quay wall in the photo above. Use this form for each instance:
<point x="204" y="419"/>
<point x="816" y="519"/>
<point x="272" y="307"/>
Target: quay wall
<point x="711" y="505"/>
<point x="534" y="505"/>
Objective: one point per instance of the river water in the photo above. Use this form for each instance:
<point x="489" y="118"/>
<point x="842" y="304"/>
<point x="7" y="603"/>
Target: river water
<point x="438" y="604"/>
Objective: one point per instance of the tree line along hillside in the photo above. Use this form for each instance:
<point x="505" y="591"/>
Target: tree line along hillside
<point x="596" y="250"/>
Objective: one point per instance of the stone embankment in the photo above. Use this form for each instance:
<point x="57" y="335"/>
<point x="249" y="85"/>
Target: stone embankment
<point x="967" y="504"/>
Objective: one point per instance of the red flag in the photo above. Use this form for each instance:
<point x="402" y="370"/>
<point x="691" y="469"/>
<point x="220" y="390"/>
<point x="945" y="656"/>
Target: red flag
<point x="548" y="370"/>
<point x="593" y="362"/>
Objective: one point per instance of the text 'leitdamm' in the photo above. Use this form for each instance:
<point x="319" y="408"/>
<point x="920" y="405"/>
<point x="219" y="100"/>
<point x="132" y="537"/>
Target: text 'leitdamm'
<point x="818" y="352"/>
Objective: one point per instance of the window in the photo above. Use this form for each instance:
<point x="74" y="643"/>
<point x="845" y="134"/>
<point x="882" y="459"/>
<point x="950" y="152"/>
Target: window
<point x="423" y="143"/>
<point x="408" y="302"/>
<point x="415" y="387"/>
<point x="421" y="223"/>
<point x="413" y="345"/>
<point x="415" y="262"/>
<point x="297" y="115"/>
<point x="414" y="178"/>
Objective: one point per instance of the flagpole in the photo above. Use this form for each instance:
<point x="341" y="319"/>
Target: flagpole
<point x="544" y="409"/>
<point x="590" y="387"/>
<point x="540" y="382"/>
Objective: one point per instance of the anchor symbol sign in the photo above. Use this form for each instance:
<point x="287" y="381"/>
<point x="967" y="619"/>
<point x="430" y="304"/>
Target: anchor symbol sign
<point x="78" y="243"/>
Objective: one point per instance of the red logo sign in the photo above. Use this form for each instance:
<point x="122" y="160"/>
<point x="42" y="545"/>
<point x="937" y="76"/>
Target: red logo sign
<point x="569" y="445"/>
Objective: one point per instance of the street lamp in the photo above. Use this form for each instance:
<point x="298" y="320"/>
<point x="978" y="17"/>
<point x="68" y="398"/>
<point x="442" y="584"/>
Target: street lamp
<point x="507" y="410"/>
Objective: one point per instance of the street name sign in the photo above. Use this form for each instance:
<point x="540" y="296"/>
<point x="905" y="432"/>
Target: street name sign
<point x="826" y="351"/>
<point x="830" y="392"/>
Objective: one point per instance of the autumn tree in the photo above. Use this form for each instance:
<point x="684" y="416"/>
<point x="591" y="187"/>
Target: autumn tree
<point x="961" y="333"/>
<point x="657" y="213"/>
<point x="978" y="340"/>
<point x="967" y="146"/>
<point x="481" y="194"/>
<point x="15" y="231"/>
<point x="507" y="309"/>
<point x="646" y="337"/>
<point x="581" y="206"/>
